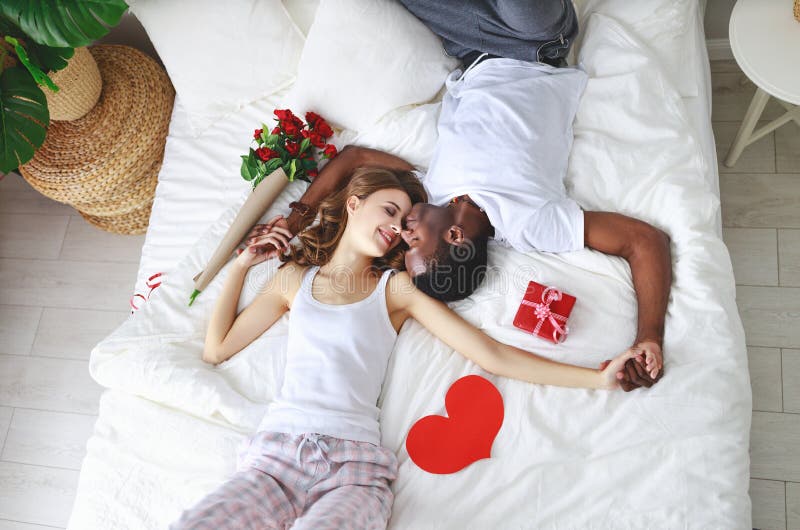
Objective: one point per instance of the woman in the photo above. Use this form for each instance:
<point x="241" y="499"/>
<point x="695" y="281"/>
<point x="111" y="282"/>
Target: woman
<point x="316" y="459"/>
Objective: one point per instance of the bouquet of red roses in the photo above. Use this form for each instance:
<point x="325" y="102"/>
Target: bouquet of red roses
<point x="289" y="145"/>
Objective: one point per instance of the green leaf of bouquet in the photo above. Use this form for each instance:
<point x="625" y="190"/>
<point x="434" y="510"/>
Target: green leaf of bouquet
<point x="292" y="169"/>
<point x="287" y="168"/>
<point x="245" y="171"/>
<point x="308" y="163"/>
<point x="64" y="23"/>
<point x="272" y="165"/>
<point x="251" y="156"/>
<point x="23" y="117"/>
<point x="272" y="141"/>
<point x="304" y="145"/>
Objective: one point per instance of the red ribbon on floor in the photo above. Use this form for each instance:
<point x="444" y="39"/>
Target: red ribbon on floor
<point x="144" y="298"/>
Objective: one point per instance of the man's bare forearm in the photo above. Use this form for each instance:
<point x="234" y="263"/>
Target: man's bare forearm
<point x="651" y="268"/>
<point x="336" y="174"/>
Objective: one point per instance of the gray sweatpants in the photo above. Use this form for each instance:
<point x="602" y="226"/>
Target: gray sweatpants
<point x="528" y="30"/>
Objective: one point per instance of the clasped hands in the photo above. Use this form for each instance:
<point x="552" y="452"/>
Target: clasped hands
<point x="265" y="241"/>
<point x="644" y="370"/>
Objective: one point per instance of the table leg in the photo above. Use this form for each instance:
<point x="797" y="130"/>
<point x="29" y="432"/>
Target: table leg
<point x="757" y="105"/>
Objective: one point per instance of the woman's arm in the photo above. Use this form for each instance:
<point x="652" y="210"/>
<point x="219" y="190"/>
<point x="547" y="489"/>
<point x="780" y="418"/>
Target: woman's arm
<point x="491" y="355"/>
<point x="228" y="334"/>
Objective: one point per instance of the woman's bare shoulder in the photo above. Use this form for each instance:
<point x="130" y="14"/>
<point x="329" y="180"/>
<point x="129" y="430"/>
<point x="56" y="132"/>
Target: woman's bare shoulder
<point x="290" y="269"/>
<point x="288" y="278"/>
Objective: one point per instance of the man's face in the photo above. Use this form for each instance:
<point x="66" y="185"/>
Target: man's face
<point x="425" y="229"/>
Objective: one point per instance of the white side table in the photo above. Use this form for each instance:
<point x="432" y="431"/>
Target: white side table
<point x="765" y="40"/>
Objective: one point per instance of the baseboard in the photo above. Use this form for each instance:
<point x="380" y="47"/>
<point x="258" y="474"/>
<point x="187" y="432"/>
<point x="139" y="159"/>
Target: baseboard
<point x="719" y="49"/>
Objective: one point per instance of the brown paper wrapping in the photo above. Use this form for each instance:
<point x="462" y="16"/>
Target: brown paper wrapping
<point x="253" y="208"/>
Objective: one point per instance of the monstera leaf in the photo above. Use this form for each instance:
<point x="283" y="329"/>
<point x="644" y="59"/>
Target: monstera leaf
<point x="64" y="23"/>
<point x="47" y="58"/>
<point x="23" y="118"/>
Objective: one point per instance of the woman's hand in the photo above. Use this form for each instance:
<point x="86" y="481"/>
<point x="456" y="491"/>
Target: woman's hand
<point x="654" y="359"/>
<point x="265" y="241"/>
<point x="262" y="229"/>
<point x="611" y="373"/>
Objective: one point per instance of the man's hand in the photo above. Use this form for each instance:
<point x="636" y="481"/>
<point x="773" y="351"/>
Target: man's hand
<point x="641" y="373"/>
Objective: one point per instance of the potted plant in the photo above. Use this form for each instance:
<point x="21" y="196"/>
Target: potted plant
<point x="37" y="38"/>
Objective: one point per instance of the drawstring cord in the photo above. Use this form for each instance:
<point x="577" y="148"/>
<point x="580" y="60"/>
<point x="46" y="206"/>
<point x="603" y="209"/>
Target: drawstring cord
<point x="321" y="446"/>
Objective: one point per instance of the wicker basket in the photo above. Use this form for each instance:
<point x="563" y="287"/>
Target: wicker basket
<point x="797" y="10"/>
<point x="106" y="164"/>
<point x="79" y="87"/>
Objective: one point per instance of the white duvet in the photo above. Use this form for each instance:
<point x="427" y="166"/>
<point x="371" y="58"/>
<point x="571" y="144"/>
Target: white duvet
<point x="674" y="456"/>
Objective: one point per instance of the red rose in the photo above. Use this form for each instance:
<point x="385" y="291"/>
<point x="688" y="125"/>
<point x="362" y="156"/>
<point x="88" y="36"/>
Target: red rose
<point x="257" y="133"/>
<point x="312" y="173"/>
<point x="330" y="151"/>
<point x="265" y="153"/>
<point x="293" y="148"/>
<point x="317" y="140"/>
<point x="306" y="154"/>
<point x="312" y="118"/>
<point x="305" y="133"/>
<point x="284" y="115"/>
<point x="290" y="128"/>
<point x="323" y="128"/>
<point x="276" y="130"/>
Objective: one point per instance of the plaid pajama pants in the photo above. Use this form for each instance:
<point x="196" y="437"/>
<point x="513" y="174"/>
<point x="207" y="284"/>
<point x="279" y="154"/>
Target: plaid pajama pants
<point x="300" y="482"/>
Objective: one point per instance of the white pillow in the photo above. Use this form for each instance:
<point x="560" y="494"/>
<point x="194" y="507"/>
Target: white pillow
<point x="302" y="12"/>
<point x="219" y="55"/>
<point x="668" y="27"/>
<point x="408" y="132"/>
<point x="364" y="58"/>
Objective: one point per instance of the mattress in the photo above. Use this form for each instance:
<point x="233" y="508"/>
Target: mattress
<point x="674" y="456"/>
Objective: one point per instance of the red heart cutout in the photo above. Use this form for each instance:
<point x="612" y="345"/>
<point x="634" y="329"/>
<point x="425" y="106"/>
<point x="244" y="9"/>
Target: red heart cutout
<point x="444" y="445"/>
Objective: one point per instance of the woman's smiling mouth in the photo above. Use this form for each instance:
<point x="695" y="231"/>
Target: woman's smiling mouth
<point x="385" y="236"/>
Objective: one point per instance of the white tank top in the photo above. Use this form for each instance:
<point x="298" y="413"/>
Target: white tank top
<point x="336" y="360"/>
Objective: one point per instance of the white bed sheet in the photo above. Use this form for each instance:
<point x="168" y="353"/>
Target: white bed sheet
<point x="673" y="456"/>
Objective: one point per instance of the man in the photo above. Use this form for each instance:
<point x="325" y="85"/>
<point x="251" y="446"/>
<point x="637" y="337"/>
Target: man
<point x="497" y="171"/>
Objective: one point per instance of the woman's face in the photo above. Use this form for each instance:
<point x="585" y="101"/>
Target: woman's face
<point x="376" y="221"/>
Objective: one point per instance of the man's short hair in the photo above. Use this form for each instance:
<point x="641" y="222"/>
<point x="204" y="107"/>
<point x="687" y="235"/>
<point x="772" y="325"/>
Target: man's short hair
<point x="455" y="271"/>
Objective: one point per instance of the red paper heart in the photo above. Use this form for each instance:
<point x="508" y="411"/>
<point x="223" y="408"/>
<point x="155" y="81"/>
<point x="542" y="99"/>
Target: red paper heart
<point x="444" y="445"/>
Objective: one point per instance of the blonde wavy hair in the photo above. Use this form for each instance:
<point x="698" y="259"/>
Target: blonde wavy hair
<point x="319" y="241"/>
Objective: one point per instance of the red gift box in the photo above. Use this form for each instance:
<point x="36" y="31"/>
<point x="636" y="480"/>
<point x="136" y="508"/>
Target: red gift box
<point x="544" y="312"/>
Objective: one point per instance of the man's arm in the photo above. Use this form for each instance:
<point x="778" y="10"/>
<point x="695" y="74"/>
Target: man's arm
<point x="336" y="174"/>
<point x="647" y="250"/>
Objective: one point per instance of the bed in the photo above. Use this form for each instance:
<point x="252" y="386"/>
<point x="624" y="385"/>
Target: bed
<point x="674" y="456"/>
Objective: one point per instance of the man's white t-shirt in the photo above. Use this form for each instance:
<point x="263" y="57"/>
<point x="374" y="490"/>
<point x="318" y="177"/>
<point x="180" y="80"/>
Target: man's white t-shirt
<point x="505" y="134"/>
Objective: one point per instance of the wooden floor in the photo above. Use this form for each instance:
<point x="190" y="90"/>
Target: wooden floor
<point x="64" y="285"/>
